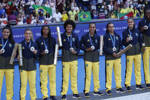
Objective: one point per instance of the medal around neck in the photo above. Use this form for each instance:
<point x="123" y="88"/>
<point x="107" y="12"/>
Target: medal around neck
<point x="32" y="49"/>
<point x="114" y="49"/>
<point x="71" y="49"/>
<point x="93" y="47"/>
<point x="46" y="51"/>
<point x="130" y="37"/>
<point x="3" y="50"/>
<point x="146" y="27"/>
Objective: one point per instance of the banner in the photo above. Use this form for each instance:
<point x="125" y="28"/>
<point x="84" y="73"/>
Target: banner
<point x="42" y="9"/>
<point x="84" y="16"/>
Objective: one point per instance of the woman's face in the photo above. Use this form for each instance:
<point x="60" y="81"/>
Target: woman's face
<point x="111" y="28"/>
<point x="92" y="28"/>
<point x="6" y="33"/>
<point x="28" y="35"/>
<point x="130" y="23"/>
<point x="45" y="31"/>
<point x="69" y="28"/>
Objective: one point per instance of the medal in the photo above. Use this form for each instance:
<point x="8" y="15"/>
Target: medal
<point x="32" y="49"/>
<point x="93" y="47"/>
<point x="114" y="49"/>
<point x="46" y="51"/>
<point x="130" y="37"/>
<point x="91" y="42"/>
<point x="3" y="46"/>
<point x="113" y="39"/>
<point x="71" y="49"/>
<point x="3" y="50"/>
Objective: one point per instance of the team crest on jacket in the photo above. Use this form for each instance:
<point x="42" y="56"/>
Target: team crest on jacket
<point x="64" y="40"/>
<point x="109" y="39"/>
<point x="42" y="43"/>
<point x="96" y="41"/>
<point x="88" y="40"/>
<point x="136" y="34"/>
<point x="117" y="37"/>
<point x="10" y="45"/>
<point x="73" y="39"/>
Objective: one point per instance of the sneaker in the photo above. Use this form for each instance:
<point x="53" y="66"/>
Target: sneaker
<point x="129" y="88"/>
<point x="53" y="98"/>
<point x="139" y="87"/>
<point x="45" y="99"/>
<point x="120" y="90"/>
<point x="108" y="92"/>
<point x="98" y="93"/>
<point x="76" y="96"/>
<point x="63" y="97"/>
<point x="148" y="86"/>
<point x="87" y="95"/>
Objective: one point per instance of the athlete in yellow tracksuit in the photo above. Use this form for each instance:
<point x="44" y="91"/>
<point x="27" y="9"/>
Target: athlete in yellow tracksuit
<point x="46" y="48"/>
<point x="144" y="27"/>
<point x="90" y="43"/>
<point x="131" y="35"/>
<point x="70" y="50"/>
<point x="112" y="45"/>
<point x="6" y="48"/>
<point x="28" y="70"/>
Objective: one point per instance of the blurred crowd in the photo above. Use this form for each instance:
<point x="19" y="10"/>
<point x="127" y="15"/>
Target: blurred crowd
<point x="19" y="12"/>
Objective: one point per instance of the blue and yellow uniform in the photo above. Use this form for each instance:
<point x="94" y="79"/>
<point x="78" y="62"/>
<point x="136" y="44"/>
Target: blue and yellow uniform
<point x="133" y="54"/>
<point x="91" y="60"/>
<point x="69" y="61"/>
<point x="28" y="70"/>
<point x="47" y="66"/>
<point x="146" y="45"/>
<point x="5" y="68"/>
<point x="112" y="44"/>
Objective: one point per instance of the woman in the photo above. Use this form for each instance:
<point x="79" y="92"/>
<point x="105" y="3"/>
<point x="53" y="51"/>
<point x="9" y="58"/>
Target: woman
<point x="144" y="27"/>
<point x="112" y="45"/>
<point x="70" y="50"/>
<point x="90" y="45"/>
<point x="46" y="49"/>
<point x="132" y="36"/>
<point x="6" y="48"/>
<point x="28" y="70"/>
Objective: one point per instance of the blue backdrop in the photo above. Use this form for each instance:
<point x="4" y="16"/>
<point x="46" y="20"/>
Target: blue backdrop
<point x="81" y="28"/>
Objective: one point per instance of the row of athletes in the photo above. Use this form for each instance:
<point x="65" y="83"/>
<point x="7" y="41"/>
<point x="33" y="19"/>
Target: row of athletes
<point x="44" y="47"/>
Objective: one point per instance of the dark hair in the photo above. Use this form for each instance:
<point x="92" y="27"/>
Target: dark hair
<point x="107" y="31"/>
<point x="49" y="33"/>
<point x="10" y="38"/>
<point x="69" y="22"/>
<point x="145" y="9"/>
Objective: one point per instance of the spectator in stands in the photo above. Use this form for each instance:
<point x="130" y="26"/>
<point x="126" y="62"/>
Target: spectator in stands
<point x="64" y="16"/>
<point x="72" y="14"/>
<point x="136" y="13"/>
<point x="60" y="5"/>
<point x="3" y="20"/>
<point x="47" y="18"/>
<point x="57" y="16"/>
<point x="2" y="10"/>
<point x="94" y="14"/>
<point x="110" y="6"/>
<point x="12" y="19"/>
<point x="19" y="19"/>
<point x="53" y="6"/>
<point x="41" y="18"/>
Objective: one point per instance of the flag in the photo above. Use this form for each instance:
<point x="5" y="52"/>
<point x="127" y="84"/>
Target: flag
<point x="42" y="9"/>
<point x="84" y="16"/>
<point x="124" y="15"/>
